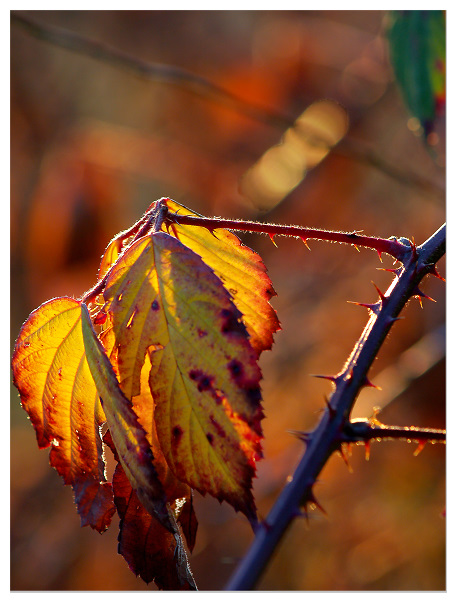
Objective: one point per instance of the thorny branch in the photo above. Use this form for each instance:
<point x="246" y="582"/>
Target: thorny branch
<point x="74" y="42"/>
<point x="335" y="428"/>
<point x="397" y="248"/>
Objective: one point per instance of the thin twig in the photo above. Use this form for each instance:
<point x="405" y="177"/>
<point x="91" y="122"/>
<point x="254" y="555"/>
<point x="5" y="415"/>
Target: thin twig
<point x="364" y="430"/>
<point x="169" y="74"/>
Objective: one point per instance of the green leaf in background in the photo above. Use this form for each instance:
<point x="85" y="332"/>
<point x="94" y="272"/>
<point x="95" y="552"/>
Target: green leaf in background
<point x="417" y="42"/>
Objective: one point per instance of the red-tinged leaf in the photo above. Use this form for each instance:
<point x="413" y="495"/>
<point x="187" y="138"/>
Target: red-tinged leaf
<point x="110" y="255"/>
<point x="132" y="447"/>
<point x="57" y="390"/>
<point x="204" y="380"/>
<point x="150" y="550"/>
<point x="188" y="520"/>
<point x="94" y="502"/>
<point x="240" y="269"/>
<point x="177" y="492"/>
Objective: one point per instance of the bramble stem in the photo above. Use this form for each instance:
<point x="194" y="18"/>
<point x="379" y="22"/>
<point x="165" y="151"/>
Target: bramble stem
<point x="364" y="430"/>
<point x="390" y="246"/>
<point x="148" y="221"/>
<point x="329" y="434"/>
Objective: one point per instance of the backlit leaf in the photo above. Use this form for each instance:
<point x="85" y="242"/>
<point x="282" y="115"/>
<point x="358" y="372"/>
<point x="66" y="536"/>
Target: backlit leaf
<point x="151" y="551"/>
<point x="57" y="390"/>
<point x="144" y="408"/>
<point x="161" y="297"/>
<point x="133" y="449"/>
<point x="240" y="269"/>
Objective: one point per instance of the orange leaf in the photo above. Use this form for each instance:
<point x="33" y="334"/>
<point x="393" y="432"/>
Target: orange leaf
<point x="130" y="441"/>
<point x="161" y="297"/>
<point x="240" y="269"/>
<point x="57" y="390"/>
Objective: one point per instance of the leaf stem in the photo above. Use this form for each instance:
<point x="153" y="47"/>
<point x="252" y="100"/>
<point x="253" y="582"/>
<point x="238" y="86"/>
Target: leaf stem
<point x="139" y="229"/>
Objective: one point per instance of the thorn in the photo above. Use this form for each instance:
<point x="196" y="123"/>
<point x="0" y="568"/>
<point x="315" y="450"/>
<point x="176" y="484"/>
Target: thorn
<point x="356" y="247"/>
<point x="305" y="242"/>
<point x="367" y="449"/>
<point x="271" y="236"/>
<point x="174" y="230"/>
<point x="332" y="411"/>
<point x="312" y="501"/>
<point x="380" y="255"/>
<point x="303" y="436"/>
<point x="299" y="513"/>
<point x="396" y="271"/>
<point x="414" y="248"/>
<point x="373" y="420"/>
<point x="420" y="447"/>
<point x="332" y="378"/>
<point x="345" y="453"/>
<point x="381" y="295"/>
<point x="417" y="292"/>
<point x="393" y="319"/>
<point x="211" y="230"/>
<point x="368" y="383"/>
<point x="433" y="271"/>
<point x="374" y="308"/>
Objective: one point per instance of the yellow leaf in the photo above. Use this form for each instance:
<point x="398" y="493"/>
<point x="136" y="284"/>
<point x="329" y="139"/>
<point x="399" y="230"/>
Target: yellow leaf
<point x="240" y="269"/>
<point x="127" y="434"/>
<point x="144" y="408"/>
<point x="57" y="391"/>
<point x="110" y="255"/>
<point x="161" y="297"/>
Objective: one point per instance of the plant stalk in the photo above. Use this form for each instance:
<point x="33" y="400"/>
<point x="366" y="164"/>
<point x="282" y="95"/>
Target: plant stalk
<point x="328" y="435"/>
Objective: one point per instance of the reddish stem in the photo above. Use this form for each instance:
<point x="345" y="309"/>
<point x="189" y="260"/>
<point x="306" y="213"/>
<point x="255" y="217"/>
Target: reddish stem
<point x="391" y="246"/>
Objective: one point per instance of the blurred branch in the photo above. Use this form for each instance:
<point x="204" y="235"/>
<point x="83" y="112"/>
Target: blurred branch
<point x="329" y="434"/>
<point x="203" y="87"/>
<point x="74" y="42"/>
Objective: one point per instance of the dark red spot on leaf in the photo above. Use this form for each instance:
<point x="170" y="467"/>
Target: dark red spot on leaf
<point x="236" y="368"/>
<point x="204" y="382"/>
<point x="219" y="430"/>
<point x="155" y="305"/>
<point x="177" y="433"/>
<point x="230" y="323"/>
<point x="254" y="395"/>
<point x="210" y="438"/>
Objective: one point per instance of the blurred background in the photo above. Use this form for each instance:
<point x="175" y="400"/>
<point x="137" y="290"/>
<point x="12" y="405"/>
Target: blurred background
<point x="92" y="145"/>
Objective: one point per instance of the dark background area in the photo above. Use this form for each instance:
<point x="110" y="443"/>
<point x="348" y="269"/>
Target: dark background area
<point x="92" y="146"/>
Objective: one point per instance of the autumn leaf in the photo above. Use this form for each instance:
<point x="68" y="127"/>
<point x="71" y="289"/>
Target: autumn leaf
<point x="151" y="551"/>
<point x="240" y="269"/>
<point x="145" y="410"/>
<point x="57" y="390"/>
<point x="161" y="297"/>
<point x="130" y="441"/>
